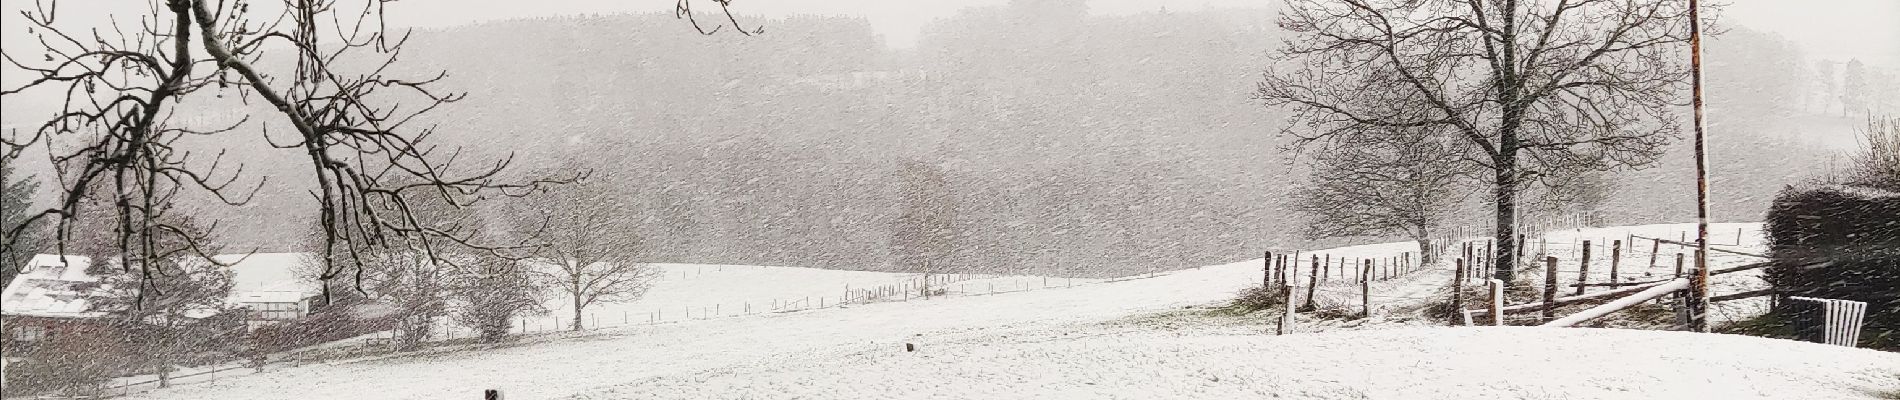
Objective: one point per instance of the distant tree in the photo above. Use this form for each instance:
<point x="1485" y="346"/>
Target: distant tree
<point x="16" y="199"/>
<point x="407" y="283"/>
<point x="1828" y="82"/>
<point x="1406" y="185"/>
<point x="159" y="318"/>
<point x="1854" y="88"/>
<point x="490" y="292"/>
<point x="923" y="238"/>
<point x="590" y="241"/>
<point x="1878" y="164"/>
<point x="1775" y="85"/>
<point x="1576" y="193"/>
<point x="1525" y="88"/>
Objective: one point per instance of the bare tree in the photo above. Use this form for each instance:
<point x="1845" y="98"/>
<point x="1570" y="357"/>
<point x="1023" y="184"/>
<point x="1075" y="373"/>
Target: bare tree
<point x="164" y="314"/>
<point x="1525" y="88"/>
<point x="326" y="82"/>
<point x="1878" y="165"/>
<point x="410" y="283"/>
<point x="591" y="242"/>
<point x="1854" y="88"/>
<point x="1404" y="184"/>
<point x="489" y="292"/>
<point x="1576" y="193"/>
<point x="924" y="234"/>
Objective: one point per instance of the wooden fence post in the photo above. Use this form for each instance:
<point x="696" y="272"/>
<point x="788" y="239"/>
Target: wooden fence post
<point x="1488" y="258"/>
<point x="1655" y="248"/>
<point x="1678" y="265"/>
<point x="1365" y="292"/>
<point x="1616" y="260"/>
<point x="1325" y="269"/>
<point x="1266" y="270"/>
<point x="1286" y="317"/>
<point x="1497" y="302"/>
<point x="1583" y="269"/>
<point x="1550" y="287"/>
<point x="1312" y="283"/>
<point x="1457" y="292"/>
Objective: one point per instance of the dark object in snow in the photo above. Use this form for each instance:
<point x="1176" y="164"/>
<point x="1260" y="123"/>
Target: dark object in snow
<point x="491" y="394"/>
<point x="910" y="347"/>
<point x="1836" y="242"/>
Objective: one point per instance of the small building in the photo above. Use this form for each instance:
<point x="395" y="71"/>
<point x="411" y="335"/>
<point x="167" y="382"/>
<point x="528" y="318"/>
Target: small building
<point x="44" y="299"/>
<point x="47" y="298"/>
<point x="271" y="286"/>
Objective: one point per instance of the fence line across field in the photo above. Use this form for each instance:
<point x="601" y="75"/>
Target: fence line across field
<point x="908" y="290"/>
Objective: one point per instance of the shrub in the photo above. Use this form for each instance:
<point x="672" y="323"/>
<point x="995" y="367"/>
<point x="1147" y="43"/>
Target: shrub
<point x="74" y="362"/>
<point x="1258" y="298"/>
<point x="1836" y="242"/>
<point x="337" y="321"/>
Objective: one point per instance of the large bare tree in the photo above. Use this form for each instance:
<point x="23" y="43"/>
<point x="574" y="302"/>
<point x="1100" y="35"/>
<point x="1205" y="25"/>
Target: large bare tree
<point x="320" y="68"/>
<point x="588" y="237"/>
<point x="323" y="71"/>
<point x="1524" y="87"/>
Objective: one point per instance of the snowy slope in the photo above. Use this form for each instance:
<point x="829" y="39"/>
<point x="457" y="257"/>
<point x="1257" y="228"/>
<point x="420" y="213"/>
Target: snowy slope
<point x="963" y="336"/>
<point x="1419" y="363"/>
<point x="692" y="291"/>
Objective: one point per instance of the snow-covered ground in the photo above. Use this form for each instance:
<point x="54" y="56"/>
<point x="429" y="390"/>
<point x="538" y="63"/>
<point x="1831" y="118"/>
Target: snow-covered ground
<point x="1416" y="363"/>
<point x="691" y="291"/>
<point x="1066" y="341"/>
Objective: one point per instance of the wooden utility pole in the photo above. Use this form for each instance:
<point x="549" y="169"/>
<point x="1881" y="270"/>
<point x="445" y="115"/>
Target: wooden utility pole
<point x="1699" y="283"/>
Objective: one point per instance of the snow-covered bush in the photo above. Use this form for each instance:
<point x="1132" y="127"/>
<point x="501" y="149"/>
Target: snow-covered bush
<point x="73" y="362"/>
<point x="1258" y="298"/>
<point x="1837" y="242"/>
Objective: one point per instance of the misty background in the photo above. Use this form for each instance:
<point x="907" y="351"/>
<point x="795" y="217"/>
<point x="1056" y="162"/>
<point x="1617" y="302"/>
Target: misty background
<point x="1077" y="138"/>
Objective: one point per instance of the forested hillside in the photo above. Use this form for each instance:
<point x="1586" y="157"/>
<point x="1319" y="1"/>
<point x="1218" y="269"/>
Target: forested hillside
<point x="1074" y="144"/>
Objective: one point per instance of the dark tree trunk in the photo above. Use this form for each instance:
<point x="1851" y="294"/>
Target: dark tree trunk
<point x="1506" y="230"/>
<point x="577" y="311"/>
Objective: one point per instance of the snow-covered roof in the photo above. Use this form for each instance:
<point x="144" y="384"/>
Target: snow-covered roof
<point x="267" y="278"/>
<point x="46" y="285"/>
<point x="46" y="288"/>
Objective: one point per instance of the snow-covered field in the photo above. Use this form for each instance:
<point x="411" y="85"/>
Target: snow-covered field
<point x="690" y="292"/>
<point x="1067" y="341"/>
<point x="1415" y="363"/>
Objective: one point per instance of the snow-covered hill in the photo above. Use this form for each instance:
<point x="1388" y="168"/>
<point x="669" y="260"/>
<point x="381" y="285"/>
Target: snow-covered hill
<point x="1054" y="341"/>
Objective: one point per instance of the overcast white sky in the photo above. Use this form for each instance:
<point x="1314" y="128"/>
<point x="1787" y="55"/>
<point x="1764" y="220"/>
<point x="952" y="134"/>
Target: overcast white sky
<point x="1833" y="29"/>
<point x="1830" y="29"/>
